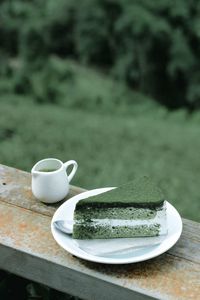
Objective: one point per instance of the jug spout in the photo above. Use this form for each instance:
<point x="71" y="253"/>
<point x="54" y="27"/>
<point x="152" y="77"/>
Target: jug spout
<point x="35" y="174"/>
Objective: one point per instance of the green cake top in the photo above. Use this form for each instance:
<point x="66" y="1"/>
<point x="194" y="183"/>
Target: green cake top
<point x="142" y="192"/>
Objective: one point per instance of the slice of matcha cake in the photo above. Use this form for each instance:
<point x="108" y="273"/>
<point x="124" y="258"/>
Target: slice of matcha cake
<point x="135" y="209"/>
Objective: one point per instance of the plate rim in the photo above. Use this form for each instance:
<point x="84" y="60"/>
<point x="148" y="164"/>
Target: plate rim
<point x="101" y="259"/>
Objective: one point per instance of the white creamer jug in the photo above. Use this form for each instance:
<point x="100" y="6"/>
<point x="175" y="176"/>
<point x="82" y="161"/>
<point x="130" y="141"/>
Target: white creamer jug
<point x="50" y="182"/>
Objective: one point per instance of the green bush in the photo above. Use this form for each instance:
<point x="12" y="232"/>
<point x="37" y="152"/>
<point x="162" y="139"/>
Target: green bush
<point x="67" y="84"/>
<point x="153" y="46"/>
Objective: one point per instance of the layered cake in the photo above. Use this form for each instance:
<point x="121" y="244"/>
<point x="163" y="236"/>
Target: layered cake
<point x="135" y="209"/>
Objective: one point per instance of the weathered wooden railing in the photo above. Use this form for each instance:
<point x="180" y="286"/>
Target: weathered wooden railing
<point x="28" y="249"/>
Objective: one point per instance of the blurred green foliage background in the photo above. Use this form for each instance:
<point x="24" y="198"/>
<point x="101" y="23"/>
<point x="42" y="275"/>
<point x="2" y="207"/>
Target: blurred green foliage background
<point x="111" y="84"/>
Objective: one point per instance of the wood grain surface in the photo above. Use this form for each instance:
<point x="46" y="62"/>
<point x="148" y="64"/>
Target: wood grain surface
<point x="28" y="249"/>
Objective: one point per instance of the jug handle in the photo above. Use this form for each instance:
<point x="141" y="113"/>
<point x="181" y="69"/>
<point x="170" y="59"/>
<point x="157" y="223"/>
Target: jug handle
<point x="75" y="166"/>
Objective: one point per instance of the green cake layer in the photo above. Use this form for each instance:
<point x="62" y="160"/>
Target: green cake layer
<point x="127" y="213"/>
<point x="91" y="231"/>
<point x="135" y="209"/>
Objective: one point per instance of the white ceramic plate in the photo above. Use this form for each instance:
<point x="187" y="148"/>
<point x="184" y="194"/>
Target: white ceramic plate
<point x="66" y="211"/>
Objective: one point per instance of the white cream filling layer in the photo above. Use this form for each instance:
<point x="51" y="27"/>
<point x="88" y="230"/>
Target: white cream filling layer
<point x="159" y="219"/>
